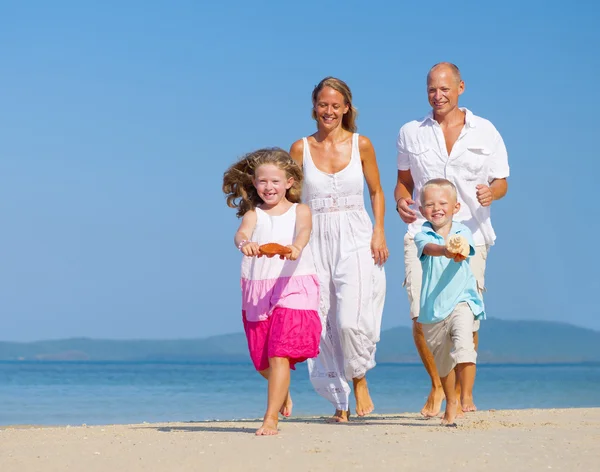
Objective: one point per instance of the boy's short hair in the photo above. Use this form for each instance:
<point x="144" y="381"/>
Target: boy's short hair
<point x="441" y="183"/>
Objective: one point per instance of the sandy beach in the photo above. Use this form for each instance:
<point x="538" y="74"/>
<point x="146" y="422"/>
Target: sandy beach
<point x="566" y="439"/>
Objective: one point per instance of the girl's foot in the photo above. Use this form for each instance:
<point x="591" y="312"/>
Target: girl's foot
<point x="268" y="428"/>
<point x="286" y="409"/>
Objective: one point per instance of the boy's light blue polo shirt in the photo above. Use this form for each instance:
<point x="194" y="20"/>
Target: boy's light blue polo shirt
<point x="446" y="283"/>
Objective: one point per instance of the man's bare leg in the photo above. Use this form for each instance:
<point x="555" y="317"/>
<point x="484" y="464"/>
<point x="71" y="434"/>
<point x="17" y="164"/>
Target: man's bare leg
<point x="364" y="404"/>
<point x="466" y="396"/>
<point x="286" y="409"/>
<point x="433" y="405"/>
<point x="279" y="386"/>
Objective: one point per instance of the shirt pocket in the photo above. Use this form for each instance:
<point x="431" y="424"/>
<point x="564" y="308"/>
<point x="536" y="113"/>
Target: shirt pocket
<point x="474" y="163"/>
<point x="422" y="159"/>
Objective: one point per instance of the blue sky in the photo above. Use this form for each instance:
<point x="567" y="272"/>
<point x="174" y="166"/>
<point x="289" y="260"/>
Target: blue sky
<point x="117" y="122"/>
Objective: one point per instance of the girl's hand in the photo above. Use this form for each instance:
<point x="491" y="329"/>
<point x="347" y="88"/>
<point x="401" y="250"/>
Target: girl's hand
<point x="295" y="254"/>
<point x="250" y="249"/>
<point x="379" y="249"/>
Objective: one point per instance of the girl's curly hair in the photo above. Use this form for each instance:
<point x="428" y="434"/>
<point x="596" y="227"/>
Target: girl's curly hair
<point x="237" y="180"/>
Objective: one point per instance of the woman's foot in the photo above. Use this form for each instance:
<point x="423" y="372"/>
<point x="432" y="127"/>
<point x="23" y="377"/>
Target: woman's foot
<point x="268" y="428"/>
<point x="364" y="404"/>
<point x="340" y="416"/>
<point x="286" y="409"/>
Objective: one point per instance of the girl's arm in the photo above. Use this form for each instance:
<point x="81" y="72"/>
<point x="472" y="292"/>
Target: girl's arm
<point x="303" y="230"/>
<point x="371" y="171"/>
<point x="244" y="233"/>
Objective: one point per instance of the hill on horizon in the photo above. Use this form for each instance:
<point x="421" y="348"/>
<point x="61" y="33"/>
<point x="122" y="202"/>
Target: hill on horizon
<point x="501" y="341"/>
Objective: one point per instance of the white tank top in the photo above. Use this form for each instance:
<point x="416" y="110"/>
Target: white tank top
<point x="342" y="191"/>
<point x="276" y="229"/>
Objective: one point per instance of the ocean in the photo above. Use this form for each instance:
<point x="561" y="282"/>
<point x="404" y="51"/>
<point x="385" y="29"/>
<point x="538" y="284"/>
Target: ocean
<point x="75" y="393"/>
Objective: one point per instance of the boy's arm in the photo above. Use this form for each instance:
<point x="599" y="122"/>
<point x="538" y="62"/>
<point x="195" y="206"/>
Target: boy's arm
<point x="437" y="250"/>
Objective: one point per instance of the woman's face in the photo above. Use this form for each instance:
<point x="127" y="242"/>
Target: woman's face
<point x="330" y="107"/>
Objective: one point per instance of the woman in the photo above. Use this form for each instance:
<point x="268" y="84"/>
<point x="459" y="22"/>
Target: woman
<point x="349" y="253"/>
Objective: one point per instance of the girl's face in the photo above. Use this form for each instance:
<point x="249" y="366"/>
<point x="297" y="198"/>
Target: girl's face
<point x="271" y="184"/>
<point x="330" y="108"/>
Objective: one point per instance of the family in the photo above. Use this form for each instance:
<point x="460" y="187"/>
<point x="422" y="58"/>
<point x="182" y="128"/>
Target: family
<point x="319" y="296"/>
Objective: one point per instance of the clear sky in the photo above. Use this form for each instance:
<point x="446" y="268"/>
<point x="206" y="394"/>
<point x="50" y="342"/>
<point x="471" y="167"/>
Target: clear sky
<point x="117" y="121"/>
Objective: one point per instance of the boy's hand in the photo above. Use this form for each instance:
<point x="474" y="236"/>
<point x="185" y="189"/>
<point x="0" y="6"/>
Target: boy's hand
<point x="459" y="258"/>
<point x="250" y="249"/>
<point x="295" y="254"/>
<point x="448" y="254"/>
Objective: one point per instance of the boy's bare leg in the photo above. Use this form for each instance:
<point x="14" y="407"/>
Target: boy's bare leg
<point x="364" y="404"/>
<point x="433" y="405"/>
<point x="286" y="409"/>
<point x="279" y="385"/>
<point x="466" y="398"/>
<point x="448" y="384"/>
<point x="466" y="375"/>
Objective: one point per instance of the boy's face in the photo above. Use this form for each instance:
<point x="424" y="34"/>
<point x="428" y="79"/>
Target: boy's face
<point x="438" y="206"/>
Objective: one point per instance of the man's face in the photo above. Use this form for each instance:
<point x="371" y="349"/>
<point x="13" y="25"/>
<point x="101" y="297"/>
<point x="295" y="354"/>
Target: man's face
<point x="443" y="90"/>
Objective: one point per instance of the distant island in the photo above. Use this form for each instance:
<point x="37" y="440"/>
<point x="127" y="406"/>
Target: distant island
<point x="518" y="342"/>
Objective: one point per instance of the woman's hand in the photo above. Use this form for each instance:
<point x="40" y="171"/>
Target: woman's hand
<point x="379" y="248"/>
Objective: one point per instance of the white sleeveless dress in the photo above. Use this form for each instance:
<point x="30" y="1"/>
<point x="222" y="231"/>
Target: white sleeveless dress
<point x="352" y="286"/>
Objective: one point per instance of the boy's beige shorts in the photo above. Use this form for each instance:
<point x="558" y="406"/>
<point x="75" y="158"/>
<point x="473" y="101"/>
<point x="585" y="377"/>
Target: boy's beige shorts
<point x="414" y="274"/>
<point x="451" y="340"/>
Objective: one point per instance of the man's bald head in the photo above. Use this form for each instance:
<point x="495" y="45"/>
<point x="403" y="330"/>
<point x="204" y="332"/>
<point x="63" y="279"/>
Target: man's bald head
<point x="445" y="66"/>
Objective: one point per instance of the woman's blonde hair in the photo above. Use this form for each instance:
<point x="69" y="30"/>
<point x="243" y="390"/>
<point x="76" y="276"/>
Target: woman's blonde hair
<point x="238" y="185"/>
<point x="349" y="118"/>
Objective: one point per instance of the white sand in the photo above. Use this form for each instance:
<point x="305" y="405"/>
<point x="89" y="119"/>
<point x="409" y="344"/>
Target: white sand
<point x="527" y="440"/>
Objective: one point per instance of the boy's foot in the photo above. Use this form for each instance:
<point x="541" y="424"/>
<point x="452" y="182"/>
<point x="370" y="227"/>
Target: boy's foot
<point x="451" y="414"/>
<point x="340" y="416"/>
<point x="364" y="404"/>
<point x="286" y="409"/>
<point x="467" y="404"/>
<point x="433" y="405"/>
<point x="268" y="428"/>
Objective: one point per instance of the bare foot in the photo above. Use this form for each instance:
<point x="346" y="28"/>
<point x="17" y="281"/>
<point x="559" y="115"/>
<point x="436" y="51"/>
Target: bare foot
<point x="433" y="405"/>
<point x="467" y="404"/>
<point x="364" y="404"/>
<point x="268" y="428"/>
<point x="340" y="416"/>
<point x="451" y="414"/>
<point x="286" y="409"/>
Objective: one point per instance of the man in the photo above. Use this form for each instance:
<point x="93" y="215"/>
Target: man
<point x="451" y="143"/>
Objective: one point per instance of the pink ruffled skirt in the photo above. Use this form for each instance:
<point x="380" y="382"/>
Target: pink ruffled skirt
<point x="288" y="332"/>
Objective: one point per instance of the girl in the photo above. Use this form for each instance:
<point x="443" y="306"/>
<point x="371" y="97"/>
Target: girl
<point x="280" y="297"/>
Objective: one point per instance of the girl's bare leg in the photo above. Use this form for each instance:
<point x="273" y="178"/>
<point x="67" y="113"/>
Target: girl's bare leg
<point x="286" y="409"/>
<point x="279" y="384"/>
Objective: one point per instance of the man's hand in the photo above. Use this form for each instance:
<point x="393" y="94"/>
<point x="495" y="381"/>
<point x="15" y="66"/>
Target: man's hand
<point x="402" y="207"/>
<point x="485" y="197"/>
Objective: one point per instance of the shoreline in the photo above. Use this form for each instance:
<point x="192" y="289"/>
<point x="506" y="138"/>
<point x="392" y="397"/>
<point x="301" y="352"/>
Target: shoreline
<point x="493" y="440"/>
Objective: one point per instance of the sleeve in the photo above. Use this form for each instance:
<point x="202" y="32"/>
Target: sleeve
<point x="498" y="160"/>
<point x="403" y="156"/>
<point x="421" y="240"/>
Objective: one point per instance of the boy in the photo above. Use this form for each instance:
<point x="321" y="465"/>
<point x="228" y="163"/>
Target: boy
<point x="449" y="299"/>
